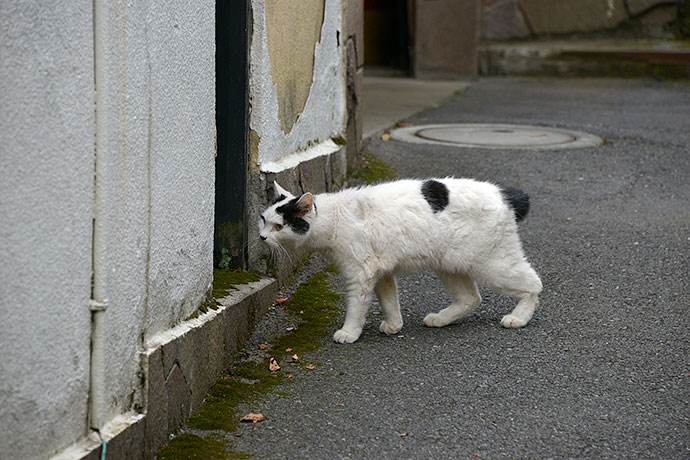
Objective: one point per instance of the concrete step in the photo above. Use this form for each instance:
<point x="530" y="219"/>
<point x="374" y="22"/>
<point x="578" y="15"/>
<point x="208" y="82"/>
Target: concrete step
<point x="592" y="58"/>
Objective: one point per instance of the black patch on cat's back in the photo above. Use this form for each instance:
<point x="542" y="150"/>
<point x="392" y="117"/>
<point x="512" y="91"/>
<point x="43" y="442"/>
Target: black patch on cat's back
<point x="517" y="200"/>
<point x="289" y="212"/>
<point x="436" y="194"/>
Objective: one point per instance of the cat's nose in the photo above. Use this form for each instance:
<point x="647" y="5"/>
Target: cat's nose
<point x="263" y="237"/>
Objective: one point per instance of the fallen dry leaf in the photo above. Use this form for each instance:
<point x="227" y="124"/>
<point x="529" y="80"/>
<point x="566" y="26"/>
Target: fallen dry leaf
<point x="288" y="350"/>
<point x="288" y="376"/>
<point x="295" y="357"/>
<point x="273" y="365"/>
<point x="340" y="404"/>
<point x="253" y="418"/>
<point x="403" y="125"/>
<point x="385" y="137"/>
<point x="281" y="301"/>
<point x="301" y="312"/>
<point x="402" y="435"/>
<point x="311" y="367"/>
<point x="237" y="435"/>
<point x="263" y="346"/>
<point x="477" y="454"/>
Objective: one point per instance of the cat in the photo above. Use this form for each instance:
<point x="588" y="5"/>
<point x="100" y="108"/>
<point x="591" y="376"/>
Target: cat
<point x="464" y="230"/>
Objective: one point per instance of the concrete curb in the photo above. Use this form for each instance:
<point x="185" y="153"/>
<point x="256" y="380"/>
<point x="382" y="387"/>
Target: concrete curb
<point x="180" y="365"/>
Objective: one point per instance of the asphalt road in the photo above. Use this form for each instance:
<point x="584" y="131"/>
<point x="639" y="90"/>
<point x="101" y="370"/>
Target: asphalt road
<point x="603" y="369"/>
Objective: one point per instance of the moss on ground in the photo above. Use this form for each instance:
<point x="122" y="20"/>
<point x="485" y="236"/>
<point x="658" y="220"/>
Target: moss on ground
<point x="316" y="305"/>
<point x="225" y="280"/>
<point x="372" y="170"/>
<point x="192" y="447"/>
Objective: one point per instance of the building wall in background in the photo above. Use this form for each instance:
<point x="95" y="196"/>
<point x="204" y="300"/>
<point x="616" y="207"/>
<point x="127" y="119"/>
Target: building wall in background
<point x="446" y="35"/>
<point x="520" y="19"/>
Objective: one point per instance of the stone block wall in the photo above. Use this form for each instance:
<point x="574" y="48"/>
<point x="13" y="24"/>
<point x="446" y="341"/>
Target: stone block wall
<point x="524" y="19"/>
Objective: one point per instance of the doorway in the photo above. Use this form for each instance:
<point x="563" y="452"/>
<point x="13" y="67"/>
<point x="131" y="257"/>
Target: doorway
<point x="232" y="121"/>
<point x="387" y="37"/>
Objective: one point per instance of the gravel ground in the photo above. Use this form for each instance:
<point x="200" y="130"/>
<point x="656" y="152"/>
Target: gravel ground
<point x="603" y="369"/>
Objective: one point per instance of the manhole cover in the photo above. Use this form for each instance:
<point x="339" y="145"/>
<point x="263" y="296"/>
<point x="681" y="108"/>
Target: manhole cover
<point x="496" y="136"/>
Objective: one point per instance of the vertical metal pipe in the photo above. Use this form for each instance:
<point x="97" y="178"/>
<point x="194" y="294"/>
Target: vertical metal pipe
<point x="99" y="294"/>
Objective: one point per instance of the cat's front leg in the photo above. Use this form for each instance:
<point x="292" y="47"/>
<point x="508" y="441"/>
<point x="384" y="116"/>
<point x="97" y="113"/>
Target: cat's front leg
<point x="358" y="299"/>
<point x="387" y="292"/>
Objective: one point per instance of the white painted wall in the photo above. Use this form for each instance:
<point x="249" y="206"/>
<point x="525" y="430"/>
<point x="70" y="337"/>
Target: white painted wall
<point x="46" y="199"/>
<point x="323" y="116"/>
<point x="155" y="142"/>
<point x="182" y="59"/>
<point x="158" y="177"/>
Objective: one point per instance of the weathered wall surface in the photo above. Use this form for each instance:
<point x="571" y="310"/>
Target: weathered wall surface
<point x="155" y="143"/>
<point x="144" y="226"/>
<point x="298" y="105"/>
<point x="516" y="19"/>
<point x="285" y="64"/>
<point x="46" y="198"/>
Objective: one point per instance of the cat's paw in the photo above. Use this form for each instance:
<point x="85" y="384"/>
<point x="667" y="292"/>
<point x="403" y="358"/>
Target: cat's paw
<point x="342" y="336"/>
<point x="512" y="321"/>
<point x="435" y="320"/>
<point x="388" y="328"/>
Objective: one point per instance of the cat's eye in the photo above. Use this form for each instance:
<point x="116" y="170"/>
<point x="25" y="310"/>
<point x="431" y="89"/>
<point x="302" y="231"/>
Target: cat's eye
<point x="277" y="227"/>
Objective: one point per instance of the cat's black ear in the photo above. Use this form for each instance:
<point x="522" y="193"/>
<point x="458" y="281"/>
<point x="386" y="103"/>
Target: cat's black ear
<point x="304" y="205"/>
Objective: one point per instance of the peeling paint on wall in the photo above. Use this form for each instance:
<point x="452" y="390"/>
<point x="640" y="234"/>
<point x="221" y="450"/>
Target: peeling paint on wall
<point x="282" y="128"/>
<point x="293" y="29"/>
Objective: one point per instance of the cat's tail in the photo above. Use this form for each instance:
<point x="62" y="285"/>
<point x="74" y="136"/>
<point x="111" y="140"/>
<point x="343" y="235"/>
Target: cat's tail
<point x="517" y="200"/>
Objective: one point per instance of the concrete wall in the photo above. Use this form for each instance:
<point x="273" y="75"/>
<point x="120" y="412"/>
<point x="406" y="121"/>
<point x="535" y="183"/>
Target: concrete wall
<point x="519" y="19"/>
<point x="149" y="212"/>
<point x="297" y="81"/>
<point x="155" y="147"/>
<point x="46" y="199"/>
<point x="446" y="35"/>
<point x="298" y="105"/>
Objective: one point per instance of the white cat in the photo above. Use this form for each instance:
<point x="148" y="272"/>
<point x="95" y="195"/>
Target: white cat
<point x="462" y="229"/>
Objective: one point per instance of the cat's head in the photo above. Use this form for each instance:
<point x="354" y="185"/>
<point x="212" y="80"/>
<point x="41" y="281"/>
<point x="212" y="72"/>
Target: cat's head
<point x="287" y="221"/>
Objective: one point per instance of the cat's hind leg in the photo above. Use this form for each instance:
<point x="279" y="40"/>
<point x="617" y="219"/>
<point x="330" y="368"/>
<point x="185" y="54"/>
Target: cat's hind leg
<point x="465" y="296"/>
<point x="387" y="292"/>
<point x="516" y="279"/>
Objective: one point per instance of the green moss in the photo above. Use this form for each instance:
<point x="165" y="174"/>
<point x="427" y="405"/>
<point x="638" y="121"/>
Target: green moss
<point x="191" y="447"/>
<point x="316" y="305"/>
<point x="340" y="140"/>
<point x="224" y="280"/>
<point x="372" y="170"/>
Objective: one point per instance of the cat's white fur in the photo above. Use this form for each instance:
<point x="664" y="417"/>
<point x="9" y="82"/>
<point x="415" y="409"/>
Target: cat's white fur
<point x="374" y="233"/>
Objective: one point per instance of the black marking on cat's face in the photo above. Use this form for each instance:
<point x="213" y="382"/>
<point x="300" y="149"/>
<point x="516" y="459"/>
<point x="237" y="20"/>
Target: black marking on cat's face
<point x="291" y="214"/>
<point x="279" y="199"/>
<point x="517" y="200"/>
<point x="436" y="194"/>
